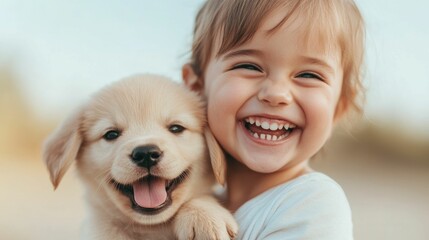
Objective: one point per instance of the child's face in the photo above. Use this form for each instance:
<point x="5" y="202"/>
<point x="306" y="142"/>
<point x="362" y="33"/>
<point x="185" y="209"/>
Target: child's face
<point x="274" y="80"/>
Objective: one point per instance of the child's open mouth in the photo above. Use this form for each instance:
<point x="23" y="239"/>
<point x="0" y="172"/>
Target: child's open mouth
<point x="268" y="129"/>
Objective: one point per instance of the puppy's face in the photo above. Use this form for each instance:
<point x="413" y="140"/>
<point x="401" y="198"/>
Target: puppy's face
<point x="140" y="143"/>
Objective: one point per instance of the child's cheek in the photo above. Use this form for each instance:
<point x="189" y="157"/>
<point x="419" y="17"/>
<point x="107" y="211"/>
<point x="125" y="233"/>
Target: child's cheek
<point x="225" y="99"/>
<point x="320" y="109"/>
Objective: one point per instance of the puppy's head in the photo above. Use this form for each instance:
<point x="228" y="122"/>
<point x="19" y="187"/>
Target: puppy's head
<point x="139" y="143"/>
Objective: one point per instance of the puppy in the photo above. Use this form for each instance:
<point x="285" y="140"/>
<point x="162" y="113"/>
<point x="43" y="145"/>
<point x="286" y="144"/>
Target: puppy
<point x="142" y="151"/>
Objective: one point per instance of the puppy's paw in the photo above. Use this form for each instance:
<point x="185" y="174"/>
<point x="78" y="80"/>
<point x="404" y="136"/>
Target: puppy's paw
<point x="205" y="219"/>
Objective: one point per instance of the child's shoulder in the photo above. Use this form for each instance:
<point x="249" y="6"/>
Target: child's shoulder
<point x="309" y="184"/>
<point x="314" y="186"/>
<point x="314" y="190"/>
<point x="310" y="204"/>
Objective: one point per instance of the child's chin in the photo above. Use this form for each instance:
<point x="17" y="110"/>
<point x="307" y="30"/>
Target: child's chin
<point x="261" y="165"/>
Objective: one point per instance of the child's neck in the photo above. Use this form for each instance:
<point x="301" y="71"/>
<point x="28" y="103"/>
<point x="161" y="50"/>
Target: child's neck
<point x="246" y="184"/>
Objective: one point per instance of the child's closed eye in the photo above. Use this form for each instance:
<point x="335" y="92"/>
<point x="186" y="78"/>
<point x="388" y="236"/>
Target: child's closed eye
<point x="310" y="75"/>
<point x="247" y="66"/>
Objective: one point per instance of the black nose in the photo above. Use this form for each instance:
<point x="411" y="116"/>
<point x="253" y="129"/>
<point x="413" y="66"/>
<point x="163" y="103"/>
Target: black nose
<point x="146" y="156"/>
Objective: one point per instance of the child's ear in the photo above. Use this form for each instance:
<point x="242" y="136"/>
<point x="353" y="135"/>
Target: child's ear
<point x="341" y="109"/>
<point x="191" y="79"/>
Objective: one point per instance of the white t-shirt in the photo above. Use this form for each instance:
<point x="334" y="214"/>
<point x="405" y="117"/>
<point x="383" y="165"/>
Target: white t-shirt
<point x="312" y="206"/>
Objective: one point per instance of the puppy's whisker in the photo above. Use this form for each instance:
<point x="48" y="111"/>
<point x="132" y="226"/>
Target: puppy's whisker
<point x="131" y="226"/>
<point x="103" y="174"/>
<point x="105" y="179"/>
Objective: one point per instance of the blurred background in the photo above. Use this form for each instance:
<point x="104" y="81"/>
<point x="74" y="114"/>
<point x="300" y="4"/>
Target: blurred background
<point x="54" y="54"/>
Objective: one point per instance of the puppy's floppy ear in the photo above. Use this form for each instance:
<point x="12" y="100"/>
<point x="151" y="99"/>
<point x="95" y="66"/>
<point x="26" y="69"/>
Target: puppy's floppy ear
<point x="217" y="157"/>
<point x="62" y="147"/>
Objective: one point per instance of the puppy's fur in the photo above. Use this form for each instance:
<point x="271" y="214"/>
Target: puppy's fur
<point x="142" y="151"/>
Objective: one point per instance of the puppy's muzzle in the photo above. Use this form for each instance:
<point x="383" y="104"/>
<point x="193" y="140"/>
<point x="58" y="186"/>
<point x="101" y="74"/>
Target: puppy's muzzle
<point x="146" y="156"/>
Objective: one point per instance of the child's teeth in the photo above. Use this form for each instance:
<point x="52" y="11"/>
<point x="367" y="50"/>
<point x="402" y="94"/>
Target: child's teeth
<point x="265" y="125"/>
<point x="270" y="137"/>
<point x="269" y="125"/>
<point x="274" y="126"/>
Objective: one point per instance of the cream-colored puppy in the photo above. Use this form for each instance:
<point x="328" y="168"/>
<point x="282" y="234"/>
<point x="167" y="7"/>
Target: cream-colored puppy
<point x="142" y="152"/>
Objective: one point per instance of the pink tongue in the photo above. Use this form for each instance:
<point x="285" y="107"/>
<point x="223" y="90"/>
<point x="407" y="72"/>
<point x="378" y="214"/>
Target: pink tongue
<point x="150" y="192"/>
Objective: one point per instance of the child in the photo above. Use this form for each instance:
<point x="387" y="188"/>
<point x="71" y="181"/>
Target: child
<point x="277" y="75"/>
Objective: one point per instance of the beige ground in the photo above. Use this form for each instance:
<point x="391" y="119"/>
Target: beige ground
<point x="30" y="209"/>
<point x="389" y="198"/>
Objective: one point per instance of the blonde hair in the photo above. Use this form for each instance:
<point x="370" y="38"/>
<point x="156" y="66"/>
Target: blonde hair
<point x="234" y="22"/>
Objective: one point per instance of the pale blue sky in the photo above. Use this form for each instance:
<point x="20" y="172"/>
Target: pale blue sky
<point x="63" y="51"/>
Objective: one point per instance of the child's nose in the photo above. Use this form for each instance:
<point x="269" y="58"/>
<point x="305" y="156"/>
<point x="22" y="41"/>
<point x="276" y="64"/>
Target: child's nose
<point x="275" y="94"/>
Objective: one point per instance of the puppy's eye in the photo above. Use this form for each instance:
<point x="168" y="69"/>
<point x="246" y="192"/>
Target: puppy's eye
<point x="176" y="128"/>
<point x="111" y="135"/>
